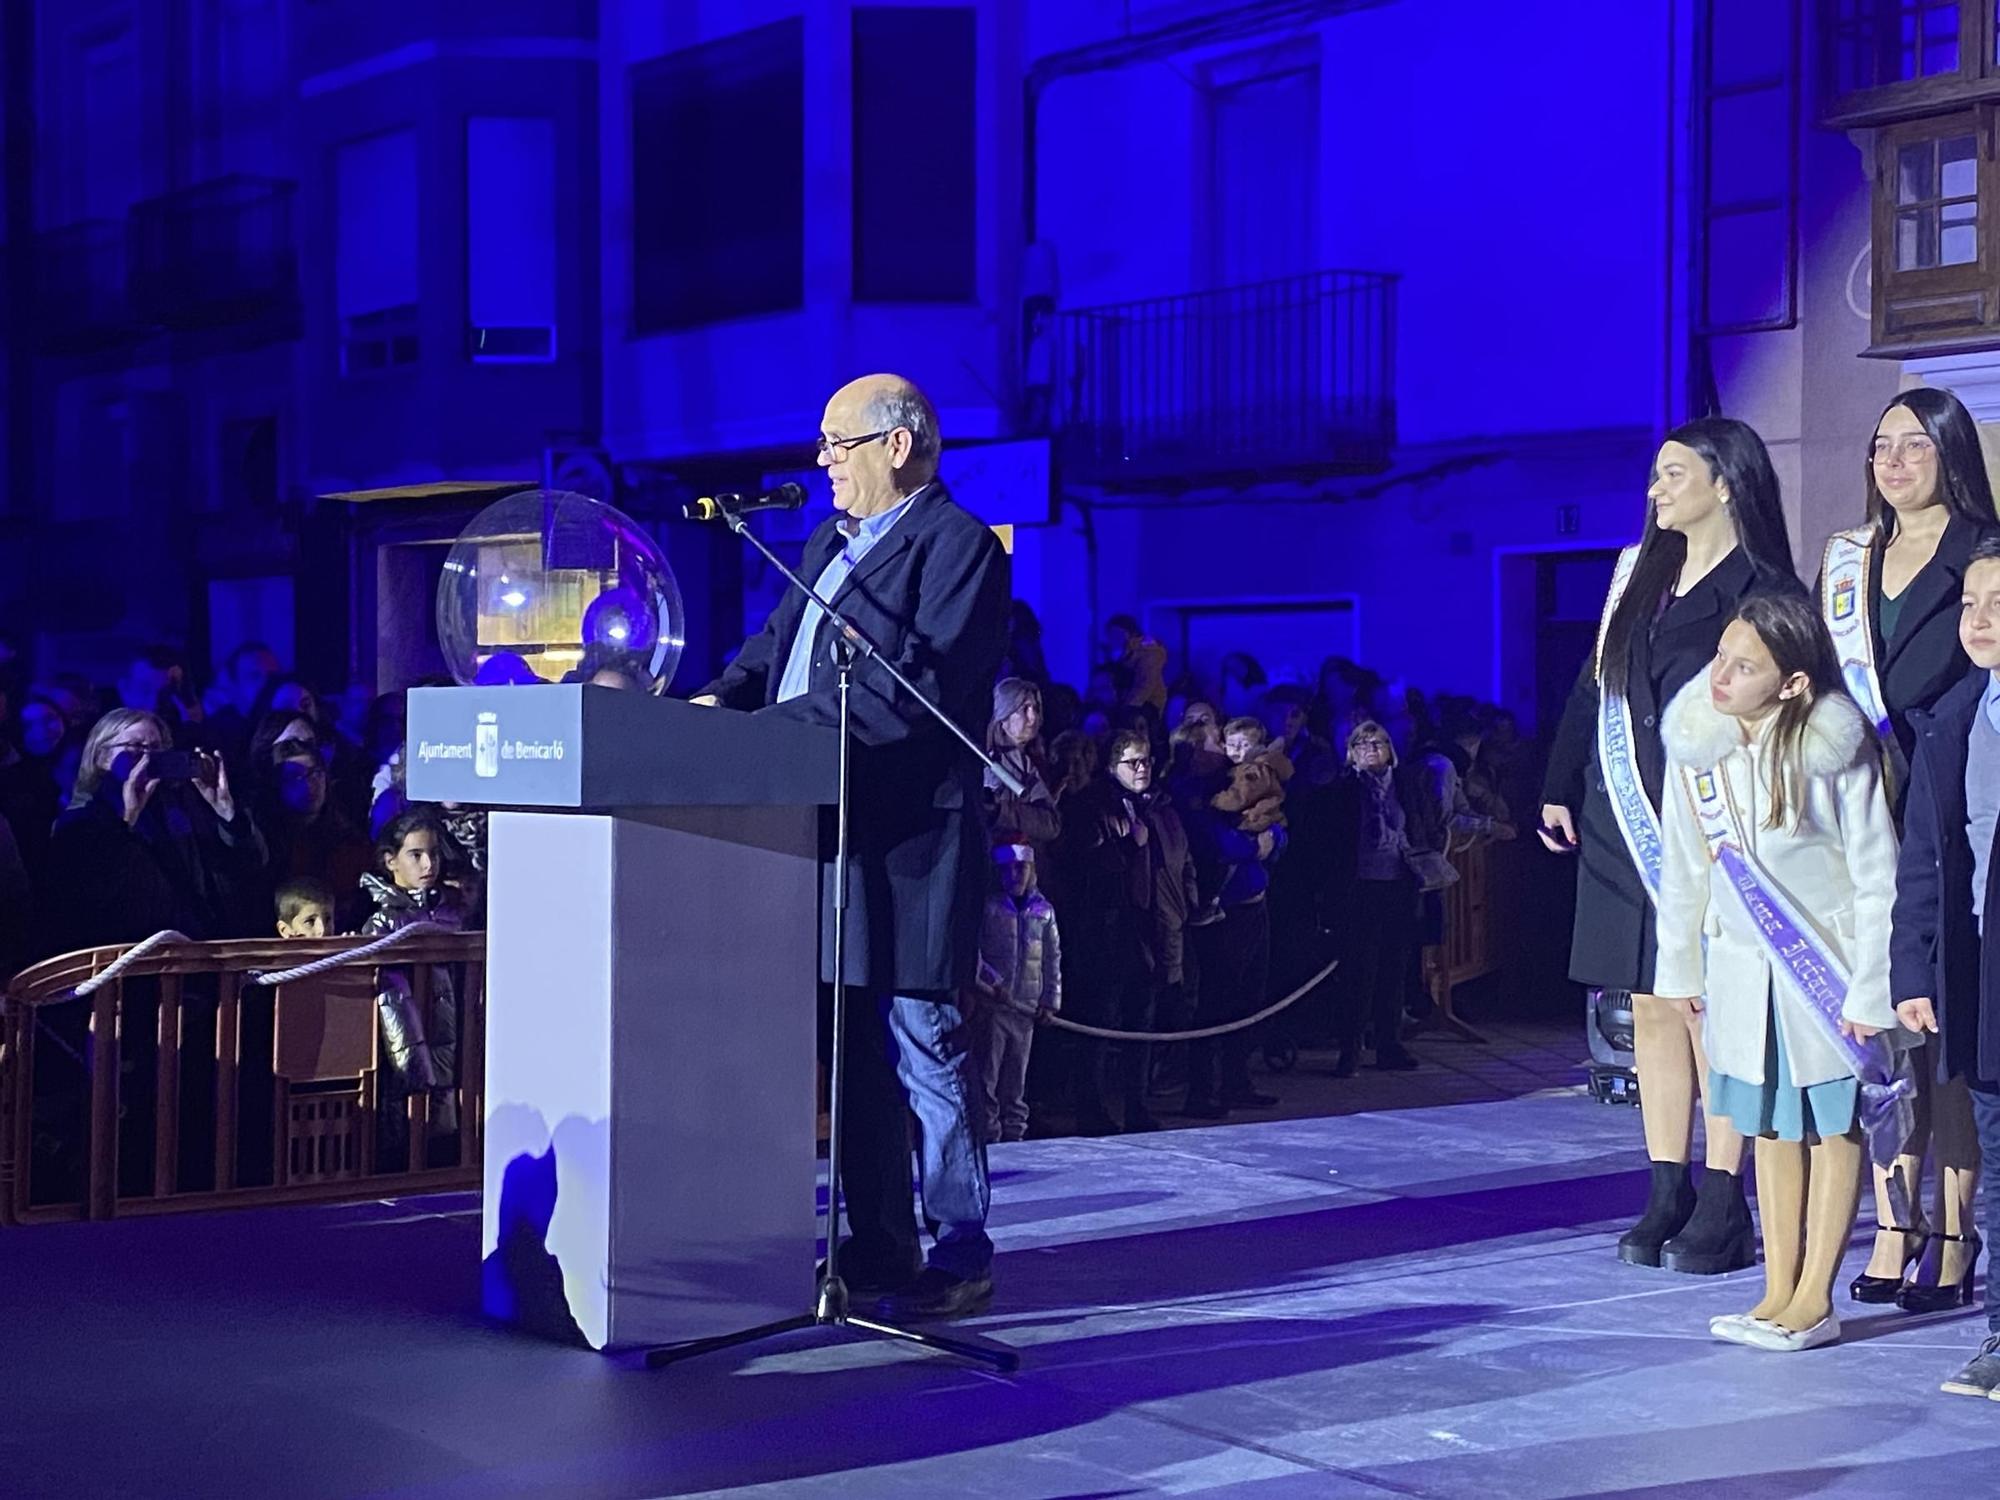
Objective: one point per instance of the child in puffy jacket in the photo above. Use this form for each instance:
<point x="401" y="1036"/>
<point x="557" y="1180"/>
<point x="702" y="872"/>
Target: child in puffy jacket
<point x="418" y="1051"/>
<point x="1020" y="983"/>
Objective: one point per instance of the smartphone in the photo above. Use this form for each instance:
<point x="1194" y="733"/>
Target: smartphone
<point x="1557" y="837"/>
<point x="163" y="765"/>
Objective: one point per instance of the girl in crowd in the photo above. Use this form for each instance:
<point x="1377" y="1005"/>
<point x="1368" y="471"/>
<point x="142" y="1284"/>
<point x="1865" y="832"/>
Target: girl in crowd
<point x="1714" y="533"/>
<point x="1889" y="592"/>
<point x="1774" y="908"/>
<point x="407" y="887"/>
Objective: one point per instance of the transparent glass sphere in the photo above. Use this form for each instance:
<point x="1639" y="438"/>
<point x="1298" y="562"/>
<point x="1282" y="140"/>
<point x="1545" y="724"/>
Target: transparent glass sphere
<point x="550" y="586"/>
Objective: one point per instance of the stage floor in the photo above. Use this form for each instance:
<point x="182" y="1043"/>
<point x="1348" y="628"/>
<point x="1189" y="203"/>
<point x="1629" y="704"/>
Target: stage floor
<point x="1415" y="1302"/>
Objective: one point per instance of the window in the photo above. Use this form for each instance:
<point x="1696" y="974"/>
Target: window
<point x="375" y="251"/>
<point x="103" y="99"/>
<point x="915" y="64"/>
<point x="240" y="87"/>
<point x="1933" y="234"/>
<point x="718" y="180"/>
<point x="1887" y="59"/>
<point x="247" y="464"/>
<point x="1746" y="114"/>
<point x="510" y="227"/>
<point x="1937" y="203"/>
<point x="1882" y="42"/>
<point x="1263" y="175"/>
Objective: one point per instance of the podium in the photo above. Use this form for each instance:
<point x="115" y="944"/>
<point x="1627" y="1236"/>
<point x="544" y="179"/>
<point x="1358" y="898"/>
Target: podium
<point x="652" y="962"/>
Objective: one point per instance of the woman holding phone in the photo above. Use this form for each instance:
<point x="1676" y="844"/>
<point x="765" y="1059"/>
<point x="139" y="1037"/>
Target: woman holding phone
<point x="152" y="840"/>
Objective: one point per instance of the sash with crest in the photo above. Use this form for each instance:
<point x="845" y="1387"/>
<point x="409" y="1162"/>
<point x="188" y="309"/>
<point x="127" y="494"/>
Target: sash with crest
<point x="1845" y="591"/>
<point x="1638" y="820"/>
<point x="1816" y="975"/>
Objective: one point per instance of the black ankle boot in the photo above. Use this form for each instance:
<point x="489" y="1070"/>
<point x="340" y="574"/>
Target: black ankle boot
<point x="1668" y="1207"/>
<point x="1720" y="1236"/>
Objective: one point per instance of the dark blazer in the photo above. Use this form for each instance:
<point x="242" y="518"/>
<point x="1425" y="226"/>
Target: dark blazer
<point x="1613" y="945"/>
<point x="1923" y="660"/>
<point x="933" y="595"/>
<point x="1934" y="948"/>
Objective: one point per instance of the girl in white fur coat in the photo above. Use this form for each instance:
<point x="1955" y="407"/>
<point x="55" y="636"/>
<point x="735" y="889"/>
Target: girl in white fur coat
<point x="1773" y="785"/>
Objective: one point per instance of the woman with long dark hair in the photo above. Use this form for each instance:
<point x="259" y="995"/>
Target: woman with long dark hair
<point x="1714" y="534"/>
<point x="1889" y="592"/>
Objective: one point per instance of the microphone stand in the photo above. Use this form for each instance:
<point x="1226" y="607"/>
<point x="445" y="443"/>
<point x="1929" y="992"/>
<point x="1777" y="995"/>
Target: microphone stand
<point x="830" y="1308"/>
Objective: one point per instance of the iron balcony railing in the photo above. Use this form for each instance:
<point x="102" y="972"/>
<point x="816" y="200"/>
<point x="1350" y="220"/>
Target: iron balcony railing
<point x="220" y="252"/>
<point x="1270" y="378"/>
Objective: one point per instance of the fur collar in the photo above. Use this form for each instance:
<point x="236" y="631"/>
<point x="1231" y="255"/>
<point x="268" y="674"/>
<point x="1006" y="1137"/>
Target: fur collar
<point x="1698" y="734"/>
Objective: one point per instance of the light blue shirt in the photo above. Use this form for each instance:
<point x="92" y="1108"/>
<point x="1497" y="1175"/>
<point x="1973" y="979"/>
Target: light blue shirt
<point x="867" y="534"/>
<point x="1982" y="791"/>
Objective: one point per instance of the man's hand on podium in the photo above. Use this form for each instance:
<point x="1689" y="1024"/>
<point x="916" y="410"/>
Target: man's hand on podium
<point x="706" y="700"/>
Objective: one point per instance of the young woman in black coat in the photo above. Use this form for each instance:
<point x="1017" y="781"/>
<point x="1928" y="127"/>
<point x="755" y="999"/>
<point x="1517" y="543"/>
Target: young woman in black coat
<point x="1889" y="590"/>
<point x="1715" y="532"/>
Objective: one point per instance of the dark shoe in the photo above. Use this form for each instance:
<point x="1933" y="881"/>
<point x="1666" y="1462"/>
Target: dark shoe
<point x="937" y="1294"/>
<point x="1669" y="1205"/>
<point x="1882" y="1290"/>
<point x="1249" y="1099"/>
<point x="1917" y="1298"/>
<point x="1099" y="1123"/>
<point x="1719" y="1237"/>
<point x="1349" y="1061"/>
<point x="1396" y="1058"/>
<point x="870" y="1281"/>
<point x="1981" y="1375"/>
<point x="1140" y="1122"/>
<point x="1199" y="1108"/>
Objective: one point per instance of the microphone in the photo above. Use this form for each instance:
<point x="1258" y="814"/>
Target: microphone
<point x="787" y="496"/>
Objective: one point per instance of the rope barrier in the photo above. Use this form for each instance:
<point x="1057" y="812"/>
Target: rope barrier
<point x="125" y="961"/>
<point x="352" y="956"/>
<point x="1105" y="1033"/>
<point x="366" y="951"/>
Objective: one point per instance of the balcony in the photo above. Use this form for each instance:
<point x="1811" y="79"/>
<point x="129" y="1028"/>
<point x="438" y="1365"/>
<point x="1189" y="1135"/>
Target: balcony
<point x="1261" y="381"/>
<point x="80" y="302"/>
<point x="217" y="254"/>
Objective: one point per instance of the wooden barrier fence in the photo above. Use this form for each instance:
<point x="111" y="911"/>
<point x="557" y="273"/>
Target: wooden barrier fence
<point x="188" y="1011"/>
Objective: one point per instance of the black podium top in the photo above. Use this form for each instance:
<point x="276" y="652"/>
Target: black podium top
<point x="576" y="745"/>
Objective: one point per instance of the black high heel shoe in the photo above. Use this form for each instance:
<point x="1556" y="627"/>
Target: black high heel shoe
<point x="1882" y="1290"/>
<point x="1917" y="1298"/>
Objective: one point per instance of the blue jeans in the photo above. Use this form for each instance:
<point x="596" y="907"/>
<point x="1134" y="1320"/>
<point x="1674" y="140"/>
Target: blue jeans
<point x="910" y="1054"/>
<point x="1986" y="1121"/>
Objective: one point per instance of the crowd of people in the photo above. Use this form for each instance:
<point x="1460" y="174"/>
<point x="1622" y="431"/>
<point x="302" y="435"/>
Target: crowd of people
<point x="1187" y="851"/>
<point x="1184" y="851"/>
<point x="256" y="807"/>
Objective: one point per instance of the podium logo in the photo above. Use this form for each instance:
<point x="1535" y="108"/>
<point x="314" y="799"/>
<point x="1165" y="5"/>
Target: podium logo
<point x="486" y="746"/>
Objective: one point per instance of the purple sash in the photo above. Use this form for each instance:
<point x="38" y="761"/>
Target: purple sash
<point x="1888" y="1086"/>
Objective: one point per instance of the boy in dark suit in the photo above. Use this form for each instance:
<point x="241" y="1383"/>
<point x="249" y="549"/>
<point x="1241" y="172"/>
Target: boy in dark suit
<point x="1945" y="977"/>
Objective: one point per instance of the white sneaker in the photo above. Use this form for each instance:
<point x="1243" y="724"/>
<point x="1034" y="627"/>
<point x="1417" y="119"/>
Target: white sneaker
<point x="1782" y="1341"/>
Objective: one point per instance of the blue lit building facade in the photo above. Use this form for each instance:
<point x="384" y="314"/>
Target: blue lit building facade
<point x="1304" y="328"/>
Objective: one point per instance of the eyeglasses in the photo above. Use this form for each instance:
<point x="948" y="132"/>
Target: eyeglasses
<point x="137" y="747"/>
<point x="1910" y="449"/>
<point x="1134" y="764"/>
<point x="835" y="450"/>
<point x="1371" y="745"/>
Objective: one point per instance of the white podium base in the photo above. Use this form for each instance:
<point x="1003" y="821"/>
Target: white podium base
<point x="650" y="1066"/>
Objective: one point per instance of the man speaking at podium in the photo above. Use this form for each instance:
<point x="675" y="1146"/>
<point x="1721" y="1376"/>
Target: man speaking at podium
<point x="928" y="584"/>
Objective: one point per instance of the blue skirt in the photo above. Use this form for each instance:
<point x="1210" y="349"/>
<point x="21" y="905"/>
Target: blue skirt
<point x="1778" y="1107"/>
